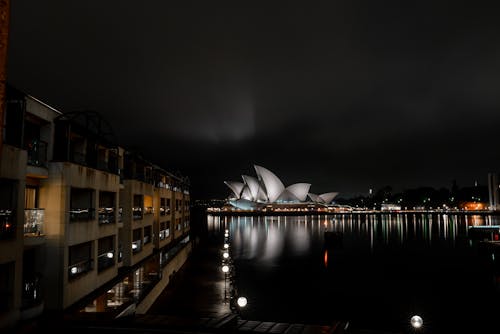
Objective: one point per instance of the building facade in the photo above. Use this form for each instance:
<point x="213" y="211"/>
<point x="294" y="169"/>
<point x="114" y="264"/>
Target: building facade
<point x="76" y="210"/>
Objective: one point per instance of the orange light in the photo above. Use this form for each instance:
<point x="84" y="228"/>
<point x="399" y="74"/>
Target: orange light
<point x="325" y="259"/>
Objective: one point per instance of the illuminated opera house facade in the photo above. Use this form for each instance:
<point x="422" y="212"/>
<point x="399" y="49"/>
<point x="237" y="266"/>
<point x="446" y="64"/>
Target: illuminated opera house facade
<point x="266" y="192"/>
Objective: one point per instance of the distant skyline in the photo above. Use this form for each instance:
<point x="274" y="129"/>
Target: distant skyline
<point x="346" y="95"/>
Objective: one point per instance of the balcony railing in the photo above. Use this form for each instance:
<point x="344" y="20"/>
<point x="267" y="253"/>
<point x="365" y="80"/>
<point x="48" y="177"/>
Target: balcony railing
<point x="81" y="214"/>
<point x="136" y="246"/>
<point x="33" y="221"/>
<point x="106" y="260"/>
<point x="79" y="268"/>
<point x="164" y="210"/>
<point x="32" y="291"/>
<point x="107" y="215"/>
<point x="37" y="153"/>
<point x="137" y="213"/>
<point x="164" y="234"/>
<point x="7" y="224"/>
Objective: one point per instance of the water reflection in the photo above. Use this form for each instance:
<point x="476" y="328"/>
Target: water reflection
<point x="385" y="268"/>
<point x="266" y="238"/>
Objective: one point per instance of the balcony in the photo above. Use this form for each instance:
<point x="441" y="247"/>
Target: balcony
<point x="164" y="234"/>
<point x="107" y="216"/>
<point x="37" y="153"/>
<point x="33" y="222"/>
<point x="137" y="213"/>
<point x="32" y="291"/>
<point x="80" y="268"/>
<point x="136" y="246"/>
<point x="105" y="260"/>
<point x="7" y="224"/>
<point x="164" y="210"/>
<point x="81" y="214"/>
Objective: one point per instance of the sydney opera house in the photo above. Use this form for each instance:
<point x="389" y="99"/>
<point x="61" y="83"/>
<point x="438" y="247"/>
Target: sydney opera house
<point x="267" y="191"/>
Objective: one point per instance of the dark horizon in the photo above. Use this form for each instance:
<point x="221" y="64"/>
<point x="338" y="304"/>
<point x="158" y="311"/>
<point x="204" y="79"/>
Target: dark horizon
<point x="347" y="96"/>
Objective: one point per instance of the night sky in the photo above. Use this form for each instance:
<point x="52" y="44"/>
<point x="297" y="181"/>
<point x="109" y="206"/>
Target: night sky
<point x="346" y="95"/>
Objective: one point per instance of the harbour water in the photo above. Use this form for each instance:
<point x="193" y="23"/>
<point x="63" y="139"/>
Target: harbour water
<point x="382" y="270"/>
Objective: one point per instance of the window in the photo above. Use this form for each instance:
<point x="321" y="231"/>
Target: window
<point x="137" y="207"/>
<point x="148" y="205"/>
<point x="7" y="205"/>
<point x="81" y="205"/>
<point x="162" y="231"/>
<point x="164" y="209"/>
<point x="6" y="286"/>
<point x="106" y="253"/>
<point x="147" y="234"/>
<point x="107" y="207"/>
<point x="80" y="259"/>
<point x="137" y="240"/>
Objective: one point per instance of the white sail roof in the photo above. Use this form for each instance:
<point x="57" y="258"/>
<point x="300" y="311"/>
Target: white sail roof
<point x="268" y="188"/>
<point x="300" y="190"/>
<point x="328" y="197"/>
<point x="253" y="185"/>
<point x="274" y="186"/>
<point x="246" y="194"/>
<point x="235" y="186"/>
<point x="315" y="198"/>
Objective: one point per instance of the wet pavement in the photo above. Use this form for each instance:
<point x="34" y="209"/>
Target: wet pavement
<point x="197" y="290"/>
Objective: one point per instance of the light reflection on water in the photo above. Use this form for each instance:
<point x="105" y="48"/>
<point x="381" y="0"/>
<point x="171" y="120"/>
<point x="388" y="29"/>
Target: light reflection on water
<point x="387" y="267"/>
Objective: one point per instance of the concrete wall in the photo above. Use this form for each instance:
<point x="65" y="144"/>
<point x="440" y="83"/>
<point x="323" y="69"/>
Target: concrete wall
<point x="173" y="266"/>
<point x="61" y="233"/>
<point x="13" y="166"/>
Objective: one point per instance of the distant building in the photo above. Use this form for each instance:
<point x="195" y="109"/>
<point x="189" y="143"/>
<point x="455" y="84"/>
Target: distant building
<point x="494" y="191"/>
<point x="390" y="207"/>
<point x="77" y="211"/>
<point x="268" y="191"/>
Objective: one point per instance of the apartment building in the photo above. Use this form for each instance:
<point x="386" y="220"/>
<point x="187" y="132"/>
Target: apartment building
<point x="76" y="210"/>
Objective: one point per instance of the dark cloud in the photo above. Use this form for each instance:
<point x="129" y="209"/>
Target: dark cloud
<point x="347" y="95"/>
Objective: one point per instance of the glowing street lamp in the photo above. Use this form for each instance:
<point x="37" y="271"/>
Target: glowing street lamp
<point x="225" y="269"/>
<point x="225" y="255"/>
<point x="416" y="322"/>
<point x="226" y="246"/>
<point x="242" y="302"/>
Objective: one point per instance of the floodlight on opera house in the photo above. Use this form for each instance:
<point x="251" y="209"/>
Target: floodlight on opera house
<point x="267" y="188"/>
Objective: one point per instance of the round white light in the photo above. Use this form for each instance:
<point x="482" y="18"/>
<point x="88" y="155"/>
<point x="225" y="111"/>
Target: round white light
<point x="226" y="246"/>
<point x="227" y="231"/>
<point x="416" y="321"/>
<point x="109" y="255"/>
<point x="242" y="302"/>
<point x="226" y="235"/>
<point x="225" y="268"/>
<point x="74" y="270"/>
<point x="134" y="246"/>
<point x="225" y="255"/>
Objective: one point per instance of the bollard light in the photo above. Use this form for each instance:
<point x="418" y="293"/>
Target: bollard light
<point x="416" y="321"/>
<point x="242" y="302"/>
<point x="225" y="268"/>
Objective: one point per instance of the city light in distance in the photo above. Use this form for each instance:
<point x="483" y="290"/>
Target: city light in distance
<point x="225" y="268"/>
<point x="225" y="255"/>
<point x="226" y="246"/>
